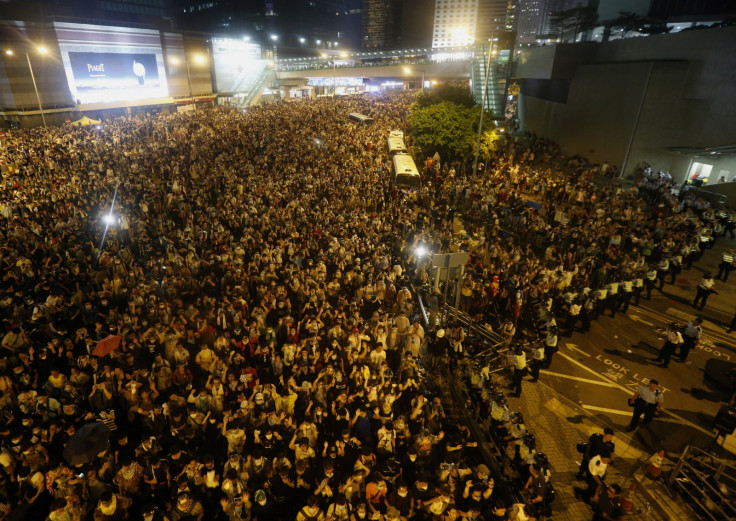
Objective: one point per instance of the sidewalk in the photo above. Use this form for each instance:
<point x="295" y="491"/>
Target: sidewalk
<point x="559" y="425"/>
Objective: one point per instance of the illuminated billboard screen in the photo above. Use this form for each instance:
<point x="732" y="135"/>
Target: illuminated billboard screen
<point x="106" y="72"/>
<point x="238" y="64"/>
<point x="111" y="64"/>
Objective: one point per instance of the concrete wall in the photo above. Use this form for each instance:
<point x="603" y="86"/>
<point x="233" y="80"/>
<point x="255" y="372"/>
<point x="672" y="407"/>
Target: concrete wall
<point x="647" y="93"/>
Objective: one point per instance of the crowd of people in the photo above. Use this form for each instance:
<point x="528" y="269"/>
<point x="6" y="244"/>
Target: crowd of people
<point x="255" y="268"/>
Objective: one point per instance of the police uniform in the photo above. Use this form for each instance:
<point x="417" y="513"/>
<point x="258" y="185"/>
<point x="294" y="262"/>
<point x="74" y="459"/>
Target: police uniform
<point x="673" y="340"/>
<point x="638" y="288"/>
<point x="650" y="281"/>
<point x="726" y="265"/>
<point x="627" y="289"/>
<point x="646" y="402"/>
<point x="690" y="338"/>
<point x="519" y="362"/>
<point x="663" y="268"/>
<point x="704" y="289"/>
<point x="613" y="294"/>
<point x="537" y="361"/>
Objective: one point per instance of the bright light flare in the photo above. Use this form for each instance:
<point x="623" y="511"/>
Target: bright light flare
<point x="108" y="219"/>
<point x="199" y="58"/>
<point x="421" y="251"/>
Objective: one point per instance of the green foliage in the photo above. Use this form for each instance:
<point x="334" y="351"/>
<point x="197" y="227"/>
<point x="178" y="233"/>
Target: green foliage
<point x="489" y="142"/>
<point x="447" y="128"/>
<point x="460" y="95"/>
<point x="577" y="19"/>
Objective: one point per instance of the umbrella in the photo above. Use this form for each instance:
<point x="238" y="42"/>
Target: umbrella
<point x="107" y="345"/>
<point x="86" y="443"/>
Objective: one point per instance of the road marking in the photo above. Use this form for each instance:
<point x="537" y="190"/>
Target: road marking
<point x="574" y="347"/>
<point x="671" y="313"/>
<point x="628" y="391"/>
<point x="637" y="319"/>
<point x="577" y="378"/>
<point x="604" y="409"/>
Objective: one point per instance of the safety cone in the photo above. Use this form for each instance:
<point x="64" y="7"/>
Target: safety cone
<point x="627" y="498"/>
<point x="654" y="469"/>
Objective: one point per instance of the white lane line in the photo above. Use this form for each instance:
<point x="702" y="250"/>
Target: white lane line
<point x="574" y="347"/>
<point x="627" y="391"/>
<point x="604" y="409"/>
<point x="577" y="378"/>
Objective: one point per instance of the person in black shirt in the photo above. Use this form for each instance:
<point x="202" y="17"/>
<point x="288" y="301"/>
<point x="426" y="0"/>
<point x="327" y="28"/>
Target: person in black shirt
<point x="597" y="443"/>
<point x="608" y="507"/>
<point x="536" y="488"/>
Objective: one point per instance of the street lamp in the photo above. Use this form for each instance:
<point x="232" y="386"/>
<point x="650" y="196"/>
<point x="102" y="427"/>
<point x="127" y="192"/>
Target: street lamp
<point x="407" y="70"/>
<point x="274" y="39"/>
<point x="41" y="50"/>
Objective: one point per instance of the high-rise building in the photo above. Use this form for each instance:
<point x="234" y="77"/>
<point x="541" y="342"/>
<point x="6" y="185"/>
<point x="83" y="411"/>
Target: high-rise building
<point x="530" y="14"/>
<point x="381" y="24"/>
<point x="464" y="22"/>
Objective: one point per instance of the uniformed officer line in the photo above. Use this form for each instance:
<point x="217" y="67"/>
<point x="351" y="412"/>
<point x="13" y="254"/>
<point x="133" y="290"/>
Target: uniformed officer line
<point x="679" y="419"/>
<point x="709" y="327"/>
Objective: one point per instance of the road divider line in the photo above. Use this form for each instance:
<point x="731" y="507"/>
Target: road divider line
<point x="629" y="392"/>
<point x="574" y="347"/>
<point x="578" y="379"/>
<point x="605" y="409"/>
<point x="672" y="313"/>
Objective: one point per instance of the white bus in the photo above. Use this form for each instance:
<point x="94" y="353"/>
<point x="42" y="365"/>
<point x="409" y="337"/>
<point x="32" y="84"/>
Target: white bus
<point x="360" y="118"/>
<point x="396" y="146"/>
<point x="397" y="133"/>
<point x="406" y="176"/>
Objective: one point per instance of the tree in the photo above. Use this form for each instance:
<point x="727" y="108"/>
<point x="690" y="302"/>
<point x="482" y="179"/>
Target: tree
<point x="460" y="95"/>
<point x="445" y="127"/>
<point x="579" y="19"/>
<point x="628" y="22"/>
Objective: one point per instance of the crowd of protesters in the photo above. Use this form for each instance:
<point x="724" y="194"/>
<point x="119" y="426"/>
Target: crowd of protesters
<point x="253" y="266"/>
<point x="256" y="269"/>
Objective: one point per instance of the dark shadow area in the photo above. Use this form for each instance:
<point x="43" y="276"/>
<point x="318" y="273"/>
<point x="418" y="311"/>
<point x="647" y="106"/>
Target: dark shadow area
<point x="660" y="435"/>
<point x="575" y="419"/>
<point x="716" y="376"/>
<point x="702" y="394"/>
<point x="643" y="356"/>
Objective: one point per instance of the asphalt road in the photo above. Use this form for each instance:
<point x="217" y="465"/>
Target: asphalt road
<point x="601" y="369"/>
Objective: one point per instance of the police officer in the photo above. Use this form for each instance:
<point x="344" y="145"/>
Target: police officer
<point x="728" y="262"/>
<point x="672" y="342"/>
<point x="518" y="359"/>
<point x="663" y="269"/>
<point x="627" y="291"/>
<point x="598" y="443"/>
<point x="648" y="401"/>
<point x="651" y="280"/>
<point x="691" y="337"/>
<point x="638" y="286"/>
<point x="550" y="342"/>
<point x="537" y="361"/>
<point x="706" y="286"/>
<point x="613" y="296"/>
<point x="675" y="267"/>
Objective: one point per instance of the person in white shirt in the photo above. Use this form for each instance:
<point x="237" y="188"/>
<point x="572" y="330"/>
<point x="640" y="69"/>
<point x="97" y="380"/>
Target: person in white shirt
<point x="597" y="474"/>
<point x="672" y="341"/>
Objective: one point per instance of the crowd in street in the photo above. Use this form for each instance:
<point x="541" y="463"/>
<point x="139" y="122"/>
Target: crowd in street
<point x="252" y="267"/>
<point x="256" y="268"/>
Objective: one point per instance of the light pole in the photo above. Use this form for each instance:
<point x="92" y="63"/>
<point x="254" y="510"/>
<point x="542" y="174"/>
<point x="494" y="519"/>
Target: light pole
<point x="274" y="39"/>
<point x="41" y="50"/>
<point x="483" y="107"/>
<point x="407" y="70"/>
